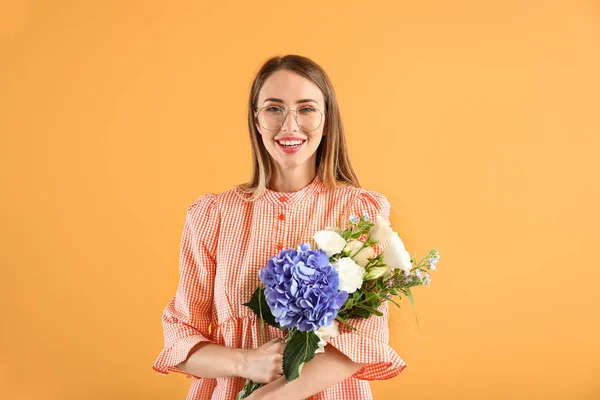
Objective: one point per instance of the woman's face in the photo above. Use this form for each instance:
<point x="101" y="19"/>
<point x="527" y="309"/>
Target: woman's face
<point x="290" y="146"/>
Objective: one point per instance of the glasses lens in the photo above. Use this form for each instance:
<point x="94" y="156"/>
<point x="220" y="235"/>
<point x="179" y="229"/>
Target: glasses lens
<point x="308" y="118"/>
<point x="271" y="117"/>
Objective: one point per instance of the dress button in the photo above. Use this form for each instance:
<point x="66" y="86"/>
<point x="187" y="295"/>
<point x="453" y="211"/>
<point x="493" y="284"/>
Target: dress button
<point x="281" y="217"/>
<point x="279" y="246"/>
<point x="283" y="199"/>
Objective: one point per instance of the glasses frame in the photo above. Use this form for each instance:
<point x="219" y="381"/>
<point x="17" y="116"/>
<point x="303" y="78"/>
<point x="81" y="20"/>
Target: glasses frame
<point x="285" y="114"/>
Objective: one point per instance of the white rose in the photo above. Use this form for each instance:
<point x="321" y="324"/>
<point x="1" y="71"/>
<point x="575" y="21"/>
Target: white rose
<point x="381" y="231"/>
<point x="350" y="274"/>
<point x="361" y="258"/>
<point x="330" y="242"/>
<point x="395" y="255"/>
<point x="325" y="333"/>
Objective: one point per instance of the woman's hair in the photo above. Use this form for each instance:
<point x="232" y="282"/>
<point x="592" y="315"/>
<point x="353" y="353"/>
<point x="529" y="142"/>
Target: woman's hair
<point x="332" y="161"/>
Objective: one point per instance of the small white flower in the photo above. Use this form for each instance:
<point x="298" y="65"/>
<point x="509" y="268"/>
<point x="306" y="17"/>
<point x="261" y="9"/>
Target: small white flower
<point x="433" y="261"/>
<point x="382" y="231"/>
<point x="361" y="258"/>
<point x="396" y="256"/>
<point x="330" y="242"/>
<point x="325" y="333"/>
<point x="350" y="274"/>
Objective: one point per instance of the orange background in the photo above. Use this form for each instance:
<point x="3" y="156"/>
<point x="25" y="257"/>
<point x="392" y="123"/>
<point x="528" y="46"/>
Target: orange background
<point x="478" y="120"/>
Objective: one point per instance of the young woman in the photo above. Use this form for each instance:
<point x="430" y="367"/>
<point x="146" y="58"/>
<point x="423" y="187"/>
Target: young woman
<point x="302" y="182"/>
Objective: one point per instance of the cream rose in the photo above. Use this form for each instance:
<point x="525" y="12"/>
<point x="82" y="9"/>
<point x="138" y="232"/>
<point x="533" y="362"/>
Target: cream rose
<point x="362" y="258"/>
<point x="382" y="231"/>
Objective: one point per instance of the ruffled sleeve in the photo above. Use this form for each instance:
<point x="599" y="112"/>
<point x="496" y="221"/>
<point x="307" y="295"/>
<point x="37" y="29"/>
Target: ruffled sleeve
<point x="369" y="343"/>
<point x="187" y="316"/>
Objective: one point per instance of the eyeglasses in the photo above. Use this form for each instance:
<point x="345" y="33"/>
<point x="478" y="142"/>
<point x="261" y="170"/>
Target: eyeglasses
<point x="271" y="118"/>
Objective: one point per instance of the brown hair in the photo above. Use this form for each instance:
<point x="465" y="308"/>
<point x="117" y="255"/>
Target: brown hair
<point x="333" y="164"/>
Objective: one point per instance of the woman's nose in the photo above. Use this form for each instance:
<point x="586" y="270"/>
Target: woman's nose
<point x="289" y="121"/>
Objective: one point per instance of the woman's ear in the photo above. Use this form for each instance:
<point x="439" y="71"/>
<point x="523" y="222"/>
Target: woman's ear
<point x="255" y="119"/>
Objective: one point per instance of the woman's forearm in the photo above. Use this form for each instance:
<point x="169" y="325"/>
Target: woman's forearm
<point x="323" y="371"/>
<point x="209" y="360"/>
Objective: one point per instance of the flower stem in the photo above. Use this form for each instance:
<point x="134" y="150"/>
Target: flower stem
<point x="262" y="322"/>
<point x="364" y="246"/>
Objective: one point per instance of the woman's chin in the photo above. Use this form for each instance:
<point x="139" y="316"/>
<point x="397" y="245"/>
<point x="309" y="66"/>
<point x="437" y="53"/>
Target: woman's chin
<point x="290" y="163"/>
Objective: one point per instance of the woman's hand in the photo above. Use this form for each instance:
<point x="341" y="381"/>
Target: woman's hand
<point x="265" y="363"/>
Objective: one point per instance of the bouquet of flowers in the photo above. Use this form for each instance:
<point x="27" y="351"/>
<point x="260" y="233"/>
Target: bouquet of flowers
<point x="307" y="291"/>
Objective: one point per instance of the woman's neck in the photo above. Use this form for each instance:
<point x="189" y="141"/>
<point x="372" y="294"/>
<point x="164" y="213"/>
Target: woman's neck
<point x="292" y="180"/>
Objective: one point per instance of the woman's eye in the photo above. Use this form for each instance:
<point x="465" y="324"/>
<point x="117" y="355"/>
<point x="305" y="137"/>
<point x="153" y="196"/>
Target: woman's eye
<point x="273" y="108"/>
<point x="308" y="109"/>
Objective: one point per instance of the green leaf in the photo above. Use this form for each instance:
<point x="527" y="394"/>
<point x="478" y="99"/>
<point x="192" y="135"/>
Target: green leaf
<point x="298" y="350"/>
<point x="369" y="309"/>
<point x="259" y="305"/>
<point x="371" y="296"/>
<point x="248" y="388"/>
<point x="390" y="299"/>
<point x="343" y="321"/>
<point x="349" y="303"/>
<point x="412" y="301"/>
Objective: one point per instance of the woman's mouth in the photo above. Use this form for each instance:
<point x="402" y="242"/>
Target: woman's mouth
<point x="290" y="146"/>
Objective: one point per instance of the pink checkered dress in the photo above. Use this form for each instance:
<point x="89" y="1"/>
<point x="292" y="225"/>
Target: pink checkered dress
<point x="225" y="242"/>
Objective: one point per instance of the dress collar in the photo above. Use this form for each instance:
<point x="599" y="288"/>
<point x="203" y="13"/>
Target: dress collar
<point x="291" y="198"/>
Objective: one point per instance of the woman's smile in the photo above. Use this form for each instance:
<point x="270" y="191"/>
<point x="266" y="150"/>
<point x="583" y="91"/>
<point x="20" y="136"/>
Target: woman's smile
<point x="290" y="145"/>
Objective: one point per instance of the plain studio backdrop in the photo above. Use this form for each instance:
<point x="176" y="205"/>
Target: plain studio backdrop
<point x="479" y="120"/>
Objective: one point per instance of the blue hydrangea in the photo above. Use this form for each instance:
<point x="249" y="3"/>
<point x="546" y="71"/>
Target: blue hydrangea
<point x="301" y="288"/>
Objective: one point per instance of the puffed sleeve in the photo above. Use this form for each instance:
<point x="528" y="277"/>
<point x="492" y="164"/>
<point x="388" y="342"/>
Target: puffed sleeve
<point x="369" y="343"/>
<point x="187" y="316"/>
